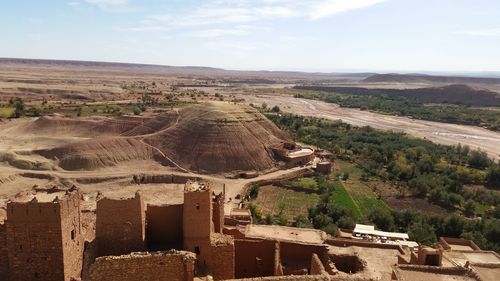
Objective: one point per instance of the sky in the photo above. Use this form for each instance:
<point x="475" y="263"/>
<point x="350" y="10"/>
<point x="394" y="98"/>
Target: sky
<point x="306" y="35"/>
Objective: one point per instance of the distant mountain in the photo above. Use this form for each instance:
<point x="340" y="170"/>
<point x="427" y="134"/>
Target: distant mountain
<point x="423" y="78"/>
<point x="182" y="71"/>
<point x="453" y="94"/>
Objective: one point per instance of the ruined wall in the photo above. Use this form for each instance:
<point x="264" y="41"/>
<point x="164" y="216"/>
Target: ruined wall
<point x="120" y="226"/>
<point x="162" y="178"/>
<point x="234" y="222"/>
<point x="255" y="258"/>
<point x="446" y="241"/>
<point x="218" y="212"/>
<point x="222" y="257"/>
<point x="299" y="278"/>
<point x="197" y="225"/>
<point x="234" y="232"/>
<point x="44" y="240"/>
<point x="296" y="258"/>
<point x="317" y="267"/>
<point x="164" y="227"/>
<point x="72" y="237"/>
<point x="4" y="260"/>
<point x="160" y="266"/>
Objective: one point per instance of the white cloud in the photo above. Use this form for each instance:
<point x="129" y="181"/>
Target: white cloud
<point x="332" y="7"/>
<point x="108" y="2"/>
<point x="487" y="32"/>
<point x="219" y="32"/>
<point x="216" y="18"/>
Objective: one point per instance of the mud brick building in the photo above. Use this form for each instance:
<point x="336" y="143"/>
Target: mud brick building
<point x="41" y="239"/>
<point x="44" y="236"/>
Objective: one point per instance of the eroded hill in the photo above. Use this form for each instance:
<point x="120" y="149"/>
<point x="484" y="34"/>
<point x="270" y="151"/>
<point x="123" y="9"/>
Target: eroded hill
<point x="213" y="137"/>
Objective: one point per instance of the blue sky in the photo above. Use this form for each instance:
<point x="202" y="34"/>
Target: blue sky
<point x="311" y="35"/>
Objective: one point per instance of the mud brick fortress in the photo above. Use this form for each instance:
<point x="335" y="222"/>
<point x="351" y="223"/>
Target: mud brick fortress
<point x="43" y="238"/>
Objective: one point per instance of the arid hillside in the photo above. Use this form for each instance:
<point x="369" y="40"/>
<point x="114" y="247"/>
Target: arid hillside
<point x="216" y="137"/>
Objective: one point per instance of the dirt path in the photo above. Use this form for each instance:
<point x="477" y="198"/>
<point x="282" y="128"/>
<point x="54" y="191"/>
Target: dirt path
<point x="444" y="133"/>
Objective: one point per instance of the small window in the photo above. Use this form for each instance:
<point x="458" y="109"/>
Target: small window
<point x="197" y="206"/>
<point x="73" y="234"/>
<point x="197" y="250"/>
<point x="37" y="275"/>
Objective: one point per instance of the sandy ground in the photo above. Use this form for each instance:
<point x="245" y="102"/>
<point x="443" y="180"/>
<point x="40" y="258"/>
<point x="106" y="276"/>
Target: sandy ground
<point x="444" y="133"/>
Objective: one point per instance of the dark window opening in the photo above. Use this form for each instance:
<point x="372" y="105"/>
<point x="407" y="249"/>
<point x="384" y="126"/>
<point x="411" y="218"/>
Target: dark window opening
<point x="197" y="206"/>
<point x="73" y="234"/>
<point x="20" y="247"/>
<point x="432" y="260"/>
<point x="197" y="250"/>
<point x="37" y="275"/>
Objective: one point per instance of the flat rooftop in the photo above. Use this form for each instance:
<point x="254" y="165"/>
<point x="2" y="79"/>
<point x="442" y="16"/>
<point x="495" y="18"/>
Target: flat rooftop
<point x="301" y="153"/>
<point x="195" y="186"/>
<point x="413" y="275"/>
<point x="461" y="258"/>
<point x="487" y="273"/>
<point x="41" y="196"/>
<point x="284" y="233"/>
<point x="240" y="212"/>
<point x="370" y="230"/>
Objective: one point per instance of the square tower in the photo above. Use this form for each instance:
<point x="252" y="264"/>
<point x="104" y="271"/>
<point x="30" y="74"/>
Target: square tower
<point x="120" y="225"/>
<point x="197" y="221"/>
<point x="44" y="235"/>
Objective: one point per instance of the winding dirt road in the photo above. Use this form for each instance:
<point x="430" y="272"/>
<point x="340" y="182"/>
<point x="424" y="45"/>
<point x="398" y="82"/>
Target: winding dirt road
<point x="444" y="133"/>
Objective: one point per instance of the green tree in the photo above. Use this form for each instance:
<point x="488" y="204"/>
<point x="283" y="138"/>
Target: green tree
<point x="382" y="218"/>
<point x="137" y="110"/>
<point x="275" y="109"/>
<point x="422" y="233"/>
<point x="493" y="177"/>
<point x="302" y="221"/>
<point x="469" y="207"/>
<point x="18" y="105"/>
<point x="331" y="229"/>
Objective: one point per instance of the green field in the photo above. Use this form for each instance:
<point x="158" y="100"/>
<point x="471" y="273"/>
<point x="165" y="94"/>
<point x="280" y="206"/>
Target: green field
<point x="6" y="112"/>
<point x="307" y="183"/>
<point x="353" y="189"/>
<point x="271" y="199"/>
<point x="341" y="198"/>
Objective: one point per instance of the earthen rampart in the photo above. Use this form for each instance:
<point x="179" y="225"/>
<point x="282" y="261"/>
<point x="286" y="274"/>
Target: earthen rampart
<point x="159" y="266"/>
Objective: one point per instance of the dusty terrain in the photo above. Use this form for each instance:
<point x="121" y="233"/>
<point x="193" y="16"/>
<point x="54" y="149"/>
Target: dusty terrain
<point x="449" y="134"/>
<point x="202" y="131"/>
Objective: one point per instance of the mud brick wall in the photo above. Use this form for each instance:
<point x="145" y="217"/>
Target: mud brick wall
<point x="164" y="227"/>
<point x="158" y="266"/>
<point x="218" y="212"/>
<point x="296" y="252"/>
<point x="120" y="226"/>
<point x="72" y="237"/>
<point x="299" y="278"/>
<point x="197" y="225"/>
<point x="255" y="258"/>
<point x="4" y="260"/>
<point x="223" y="258"/>
<point x="44" y="240"/>
<point x="317" y="266"/>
